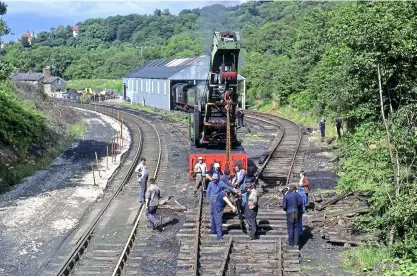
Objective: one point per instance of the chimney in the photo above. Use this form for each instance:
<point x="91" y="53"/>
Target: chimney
<point x="47" y="72"/>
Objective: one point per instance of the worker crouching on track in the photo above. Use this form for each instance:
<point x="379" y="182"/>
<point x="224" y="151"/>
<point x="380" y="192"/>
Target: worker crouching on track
<point x="251" y="210"/>
<point x="152" y="197"/>
<point x="213" y="189"/>
<point x="200" y="175"/>
<point x="292" y="204"/>
<point x="218" y="210"/>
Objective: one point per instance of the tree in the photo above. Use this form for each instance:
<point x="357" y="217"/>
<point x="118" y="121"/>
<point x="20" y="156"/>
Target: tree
<point x="24" y="40"/>
<point x="5" y="68"/>
<point x="157" y="12"/>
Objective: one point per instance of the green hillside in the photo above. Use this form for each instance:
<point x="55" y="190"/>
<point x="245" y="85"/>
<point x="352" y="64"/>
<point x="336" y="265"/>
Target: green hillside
<point x="351" y="59"/>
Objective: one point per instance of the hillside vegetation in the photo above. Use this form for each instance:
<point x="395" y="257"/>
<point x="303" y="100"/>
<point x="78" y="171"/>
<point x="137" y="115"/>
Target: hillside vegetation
<point x="33" y="129"/>
<point x="353" y="59"/>
<point x="96" y="83"/>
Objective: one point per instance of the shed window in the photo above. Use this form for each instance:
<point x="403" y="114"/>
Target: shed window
<point x="165" y="87"/>
<point x="137" y="85"/>
<point x="141" y="85"/>
<point x="147" y="85"/>
<point x="158" y="87"/>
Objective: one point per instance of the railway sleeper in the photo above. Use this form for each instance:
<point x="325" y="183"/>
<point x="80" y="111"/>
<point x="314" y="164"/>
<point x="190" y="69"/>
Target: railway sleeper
<point x="186" y="263"/>
<point x="92" y="273"/>
<point x="292" y="268"/>
<point x="267" y="267"/>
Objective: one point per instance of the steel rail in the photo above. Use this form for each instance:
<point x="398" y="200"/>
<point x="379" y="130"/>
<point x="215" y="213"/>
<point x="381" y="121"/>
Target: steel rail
<point x="128" y="247"/>
<point x="222" y="270"/>
<point x="300" y="137"/>
<point x="79" y="250"/>
<point x="296" y="151"/>
<point x="279" y="254"/>
<point x="271" y="152"/>
<point x="197" y="234"/>
<point x="227" y="251"/>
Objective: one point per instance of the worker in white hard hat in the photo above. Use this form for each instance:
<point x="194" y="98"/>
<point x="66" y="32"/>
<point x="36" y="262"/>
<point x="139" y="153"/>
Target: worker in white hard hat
<point x="200" y="172"/>
<point x="214" y="170"/>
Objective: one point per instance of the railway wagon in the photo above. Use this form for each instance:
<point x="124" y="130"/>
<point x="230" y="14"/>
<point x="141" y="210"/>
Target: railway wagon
<point x="186" y="95"/>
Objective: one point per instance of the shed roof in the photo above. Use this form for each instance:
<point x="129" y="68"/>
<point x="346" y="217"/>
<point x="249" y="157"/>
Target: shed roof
<point x="27" y="76"/>
<point x="191" y="68"/>
<point x="53" y="79"/>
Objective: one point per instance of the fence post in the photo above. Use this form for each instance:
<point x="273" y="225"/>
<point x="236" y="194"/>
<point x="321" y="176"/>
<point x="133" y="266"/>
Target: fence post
<point x="94" y="178"/>
<point x="98" y="169"/>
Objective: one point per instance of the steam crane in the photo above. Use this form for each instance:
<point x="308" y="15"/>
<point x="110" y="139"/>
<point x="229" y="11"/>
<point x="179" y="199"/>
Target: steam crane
<point x="214" y="128"/>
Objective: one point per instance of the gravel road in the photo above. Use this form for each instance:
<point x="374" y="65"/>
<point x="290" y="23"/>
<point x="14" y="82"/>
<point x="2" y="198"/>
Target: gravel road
<point x="37" y="215"/>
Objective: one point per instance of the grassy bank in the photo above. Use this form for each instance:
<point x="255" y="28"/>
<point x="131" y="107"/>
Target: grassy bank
<point x="15" y="172"/>
<point x="301" y="117"/>
<point x="373" y="260"/>
<point x="96" y="83"/>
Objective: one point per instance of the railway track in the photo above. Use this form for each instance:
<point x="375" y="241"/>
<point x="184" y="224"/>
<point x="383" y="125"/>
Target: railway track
<point x="202" y="254"/>
<point x="104" y="247"/>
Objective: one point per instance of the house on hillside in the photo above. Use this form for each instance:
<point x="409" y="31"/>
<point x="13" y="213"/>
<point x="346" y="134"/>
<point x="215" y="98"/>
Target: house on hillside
<point x="50" y="84"/>
<point x="75" y="30"/>
<point x="30" y="36"/>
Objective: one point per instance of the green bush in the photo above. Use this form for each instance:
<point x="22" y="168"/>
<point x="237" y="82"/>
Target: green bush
<point x="20" y="123"/>
<point x="402" y="267"/>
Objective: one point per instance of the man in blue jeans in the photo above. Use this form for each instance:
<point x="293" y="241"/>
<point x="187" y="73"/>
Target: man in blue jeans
<point x="292" y="203"/>
<point x="152" y="197"/>
<point x="303" y="195"/>
<point x="142" y="173"/>
<point x="239" y="181"/>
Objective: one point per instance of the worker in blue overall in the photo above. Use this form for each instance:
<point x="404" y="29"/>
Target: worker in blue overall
<point x="213" y="189"/>
<point x="291" y="204"/>
<point x="322" y="126"/>
<point x="218" y="210"/>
